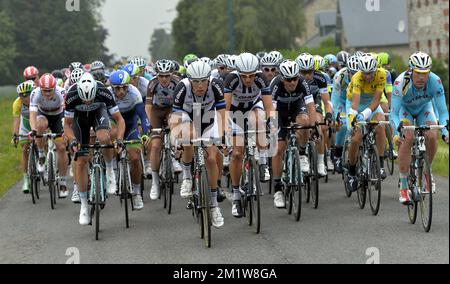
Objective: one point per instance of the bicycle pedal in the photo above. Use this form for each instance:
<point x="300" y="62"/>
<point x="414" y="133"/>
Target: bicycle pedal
<point x="190" y="205"/>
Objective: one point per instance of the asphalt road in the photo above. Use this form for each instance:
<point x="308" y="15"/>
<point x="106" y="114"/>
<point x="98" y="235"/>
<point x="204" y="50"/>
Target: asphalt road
<point x="338" y="232"/>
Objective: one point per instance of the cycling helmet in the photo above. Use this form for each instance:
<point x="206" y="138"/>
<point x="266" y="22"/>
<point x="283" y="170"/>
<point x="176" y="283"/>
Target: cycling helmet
<point x="330" y="59"/>
<point x="75" y="65"/>
<point x="139" y="61"/>
<point x="87" y="87"/>
<point x="99" y="75"/>
<point x="30" y="72"/>
<point x="353" y="64"/>
<point x="132" y="69"/>
<point x="420" y="62"/>
<point x="247" y="63"/>
<point x="385" y="58"/>
<point x="278" y="56"/>
<point x="25" y="88"/>
<point x="367" y="63"/>
<point x="97" y="65"/>
<point x="208" y="61"/>
<point x="198" y="70"/>
<point x="164" y="67"/>
<point x="120" y="78"/>
<point x="332" y="71"/>
<point x="261" y="55"/>
<point x="59" y="82"/>
<point x="188" y="59"/>
<point x="76" y="75"/>
<point x="47" y="81"/>
<point x="175" y="66"/>
<point x="305" y="61"/>
<point x="342" y="57"/>
<point x="220" y="60"/>
<point x="289" y="69"/>
<point x="319" y="62"/>
<point x="269" y="60"/>
<point x="359" y="53"/>
<point x="231" y="62"/>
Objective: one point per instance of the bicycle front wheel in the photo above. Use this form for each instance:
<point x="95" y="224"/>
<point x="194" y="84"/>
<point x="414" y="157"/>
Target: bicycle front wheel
<point x="169" y="182"/>
<point x="412" y="179"/>
<point x="256" y="196"/>
<point x="426" y="194"/>
<point x="97" y="200"/>
<point x="362" y="187"/>
<point x="32" y="174"/>
<point x="374" y="181"/>
<point x="206" y="207"/>
<point x="348" y="192"/>
<point x="296" y="191"/>
<point x="314" y="175"/>
<point x="51" y="182"/>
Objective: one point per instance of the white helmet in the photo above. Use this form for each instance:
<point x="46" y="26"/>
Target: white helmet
<point x="247" y="63"/>
<point x="76" y="75"/>
<point x="198" y="70"/>
<point x="353" y="64"/>
<point x="208" y="61"/>
<point x="305" y="61"/>
<point x="289" y="69"/>
<point x="140" y="62"/>
<point x="278" y="56"/>
<point x="421" y="61"/>
<point x="358" y="53"/>
<point x="164" y="66"/>
<point x="87" y="87"/>
<point x="231" y="62"/>
<point x="368" y="63"/>
<point x="97" y="65"/>
<point x="269" y="60"/>
<point x="220" y="60"/>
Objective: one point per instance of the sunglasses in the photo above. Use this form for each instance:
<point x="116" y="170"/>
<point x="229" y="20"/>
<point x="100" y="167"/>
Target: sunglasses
<point x="289" y="80"/>
<point x="200" y="81"/>
<point x="164" y="76"/>
<point x="47" y="90"/>
<point x="248" y="76"/>
<point x="120" y="87"/>
<point x="222" y="68"/>
<point x="270" y="70"/>
<point x="368" y="74"/>
<point x="31" y="79"/>
<point x="24" y="95"/>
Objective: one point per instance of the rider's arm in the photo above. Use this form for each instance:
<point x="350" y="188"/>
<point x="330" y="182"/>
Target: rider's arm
<point x="68" y="132"/>
<point x="149" y="101"/>
<point x="397" y="96"/>
<point x="33" y="110"/>
<point x="441" y="105"/>
<point x="220" y="104"/>
<point x="389" y="87"/>
<point x="140" y="111"/>
<point x="335" y="95"/>
<point x="120" y="125"/>
<point x="323" y="89"/>
<point x="16" y="115"/>
<point x="231" y="82"/>
<point x="266" y="94"/>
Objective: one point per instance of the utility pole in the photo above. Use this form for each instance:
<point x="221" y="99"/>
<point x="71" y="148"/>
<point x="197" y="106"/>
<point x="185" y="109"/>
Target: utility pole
<point x="230" y="27"/>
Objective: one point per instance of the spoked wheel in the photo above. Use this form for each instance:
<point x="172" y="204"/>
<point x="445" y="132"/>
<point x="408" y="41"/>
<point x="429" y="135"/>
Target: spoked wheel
<point x="374" y="181"/>
<point x="296" y="191"/>
<point x="426" y="195"/>
<point x="205" y="202"/>
<point x="97" y="201"/>
<point x="51" y="182"/>
<point x="412" y="182"/>
<point x="314" y="176"/>
<point x="362" y="186"/>
<point x="33" y="173"/>
<point x="255" y="188"/>
<point x="168" y="184"/>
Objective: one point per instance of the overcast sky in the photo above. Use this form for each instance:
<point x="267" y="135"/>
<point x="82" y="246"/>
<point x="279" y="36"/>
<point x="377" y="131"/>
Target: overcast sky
<point x="131" y="23"/>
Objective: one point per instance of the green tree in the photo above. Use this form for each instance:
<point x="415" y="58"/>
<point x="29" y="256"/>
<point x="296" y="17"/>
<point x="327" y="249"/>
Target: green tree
<point x="8" y="47"/>
<point x="161" y="45"/>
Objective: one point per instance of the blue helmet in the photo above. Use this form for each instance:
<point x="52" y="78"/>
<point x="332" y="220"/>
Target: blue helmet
<point x="120" y="78"/>
<point x="330" y="59"/>
<point x="132" y="69"/>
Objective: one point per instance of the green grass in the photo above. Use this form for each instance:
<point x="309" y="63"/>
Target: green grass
<point x="9" y="156"/>
<point x="440" y="163"/>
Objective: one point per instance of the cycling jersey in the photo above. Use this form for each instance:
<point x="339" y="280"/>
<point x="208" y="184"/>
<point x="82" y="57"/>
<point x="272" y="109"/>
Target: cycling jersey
<point x="48" y="107"/>
<point x="216" y="75"/>
<point x="244" y="98"/>
<point x="318" y="86"/>
<point x="131" y="108"/>
<point x="160" y="96"/>
<point x="409" y="103"/>
<point x="143" y="87"/>
<point x="20" y="109"/>
<point x="367" y="90"/>
<point x="338" y="99"/>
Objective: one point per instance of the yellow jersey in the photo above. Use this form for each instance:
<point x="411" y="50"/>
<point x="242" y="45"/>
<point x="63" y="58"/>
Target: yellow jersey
<point x="359" y="87"/>
<point x="17" y="107"/>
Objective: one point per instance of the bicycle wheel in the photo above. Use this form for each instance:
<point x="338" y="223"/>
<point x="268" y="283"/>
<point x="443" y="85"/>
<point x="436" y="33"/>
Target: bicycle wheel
<point x="362" y="187"/>
<point x="296" y="191"/>
<point x="51" y="181"/>
<point x="206" y="207"/>
<point x="98" y="184"/>
<point x="255" y="189"/>
<point x="271" y="176"/>
<point x="124" y="190"/>
<point x="32" y="174"/>
<point x="169" y="180"/>
<point x="314" y="175"/>
<point x="426" y="195"/>
<point x="348" y="192"/>
<point x="326" y="168"/>
<point x="412" y="208"/>
<point x="374" y="181"/>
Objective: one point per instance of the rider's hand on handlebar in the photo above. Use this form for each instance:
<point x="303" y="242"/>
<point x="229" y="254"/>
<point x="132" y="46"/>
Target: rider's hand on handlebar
<point x="74" y="146"/>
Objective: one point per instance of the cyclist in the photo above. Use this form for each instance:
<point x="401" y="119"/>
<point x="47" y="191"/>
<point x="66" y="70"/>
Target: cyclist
<point x="131" y="107"/>
<point x="221" y="70"/>
<point x="98" y="71"/>
<point x="363" y="104"/>
<point x="87" y="105"/>
<point x="200" y="107"/>
<point x="342" y="58"/>
<point x="47" y="112"/>
<point x="269" y="66"/>
<point x="75" y="75"/>
<point x="339" y="97"/>
<point x="160" y="99"/>
<point x="278" y="56"/>
<point x="294" y="102"/>
<point x="386" y="61"/>
<point x="413" y="94"/>
<point x="331" y="61"/>
<point x="247" y="94"/>
<point x="21" y="127"/>
<point x="319" y="88"/>
<point x="32" y="73"/>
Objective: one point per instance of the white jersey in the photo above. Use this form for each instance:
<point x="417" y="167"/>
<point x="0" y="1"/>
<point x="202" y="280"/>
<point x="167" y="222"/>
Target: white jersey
<point x="53" y="106"/>
<point x="143" y="86"/>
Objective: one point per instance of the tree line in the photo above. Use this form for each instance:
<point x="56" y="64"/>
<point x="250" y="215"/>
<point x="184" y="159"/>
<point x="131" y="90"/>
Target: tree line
<point x="44" y="34"/>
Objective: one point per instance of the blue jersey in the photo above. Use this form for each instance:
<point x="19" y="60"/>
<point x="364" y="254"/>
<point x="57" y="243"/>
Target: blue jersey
<point x="339" y="94"/>
<point x="406" y="97"/>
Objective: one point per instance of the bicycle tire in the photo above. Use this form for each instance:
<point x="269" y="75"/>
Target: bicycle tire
<point x="206" y="207"/>
<point x="296" y="192"/>
<point x="169" y="180"/>
<point x="32" y="174"/>
<point x="413" y="207"/>
<point x="124" y="191"/>
<point x="98" y="185"/>
<point x="426" y="199"/>
<point x="374" y="182"/>
<point x="362" y="187"/>
<point x="51" y="181"/>
<point x="256" y="196"/>
<point x="314" y="176"/>
<point x="348" y="192"/>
